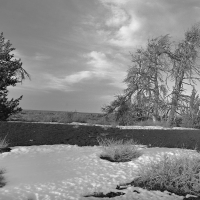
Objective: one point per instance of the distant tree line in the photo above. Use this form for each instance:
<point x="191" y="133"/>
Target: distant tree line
<point x="11" y="73"/>
<point x="148" y="95"/>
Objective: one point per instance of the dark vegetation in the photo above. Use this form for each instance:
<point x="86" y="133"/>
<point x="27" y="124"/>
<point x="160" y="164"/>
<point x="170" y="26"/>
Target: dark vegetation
<point x="11" y="73"/>
<point x="27" y="134"/>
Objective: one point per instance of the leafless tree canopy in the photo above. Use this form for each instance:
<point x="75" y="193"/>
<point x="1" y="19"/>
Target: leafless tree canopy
<point x="147" y="93"/>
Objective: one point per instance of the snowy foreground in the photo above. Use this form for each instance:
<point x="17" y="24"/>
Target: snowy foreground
<point x="66" y="172"/>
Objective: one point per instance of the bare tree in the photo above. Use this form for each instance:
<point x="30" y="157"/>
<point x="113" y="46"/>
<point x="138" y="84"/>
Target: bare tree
<point x="153" y="67"/>
<point x="184" y="68"/>
<point x="146" y="89"/>
<point x="145" y="78"/>
<point x="190" y="110"/>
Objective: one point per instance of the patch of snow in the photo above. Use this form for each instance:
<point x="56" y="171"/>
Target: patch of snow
<point x="67" y="172"/>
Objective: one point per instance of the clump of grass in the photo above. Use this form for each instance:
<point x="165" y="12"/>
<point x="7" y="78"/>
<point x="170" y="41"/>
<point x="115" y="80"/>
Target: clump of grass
<point x="3" y="143"/>
<point x="120" y="150"/>
<point x="179" y="174"/>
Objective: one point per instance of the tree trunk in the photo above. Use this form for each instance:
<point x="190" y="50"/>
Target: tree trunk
<point x="156" y="99"/>
<point x="175" y="99"/>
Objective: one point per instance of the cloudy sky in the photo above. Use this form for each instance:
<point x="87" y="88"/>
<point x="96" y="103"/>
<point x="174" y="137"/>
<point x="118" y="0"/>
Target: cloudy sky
<point x="77" y="51"/>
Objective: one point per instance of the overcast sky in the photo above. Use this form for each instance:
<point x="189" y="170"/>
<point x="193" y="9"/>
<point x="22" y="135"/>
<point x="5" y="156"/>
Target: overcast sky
<point x="77" y="51"/>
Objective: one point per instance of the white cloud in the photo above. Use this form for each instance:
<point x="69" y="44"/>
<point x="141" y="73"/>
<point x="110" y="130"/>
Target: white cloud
<point x="78" y="77"/>
<point x="103" y="67"/>
<point x="41" y="57"/>
<point x="52" y="82"/>
<point x="126" y="35"/>
<point x="64" y="83"/>
<point x="99" y="68"/>
<point x="99" y="64"/>
<point x="97" y="60"/>
<point x="118" y="16"/>
<point x="125" y="20"/>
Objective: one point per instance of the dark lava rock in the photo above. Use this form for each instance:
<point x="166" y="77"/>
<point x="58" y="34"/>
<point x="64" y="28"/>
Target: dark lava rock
<point x="109" y="195"/>
<point x="6" y="149"/>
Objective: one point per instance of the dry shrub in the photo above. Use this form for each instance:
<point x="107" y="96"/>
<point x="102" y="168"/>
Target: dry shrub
<point x="179" y="174"/>
<point x="119" y="151"/>
<point x="3" y="143"/>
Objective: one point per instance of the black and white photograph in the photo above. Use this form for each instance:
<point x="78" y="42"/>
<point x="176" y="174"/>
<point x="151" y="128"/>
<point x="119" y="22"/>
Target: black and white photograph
<point x="99" y="99"/>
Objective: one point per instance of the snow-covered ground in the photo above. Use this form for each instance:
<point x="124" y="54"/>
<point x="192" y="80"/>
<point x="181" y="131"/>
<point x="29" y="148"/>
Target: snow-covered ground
<point x="67" y="172"/>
